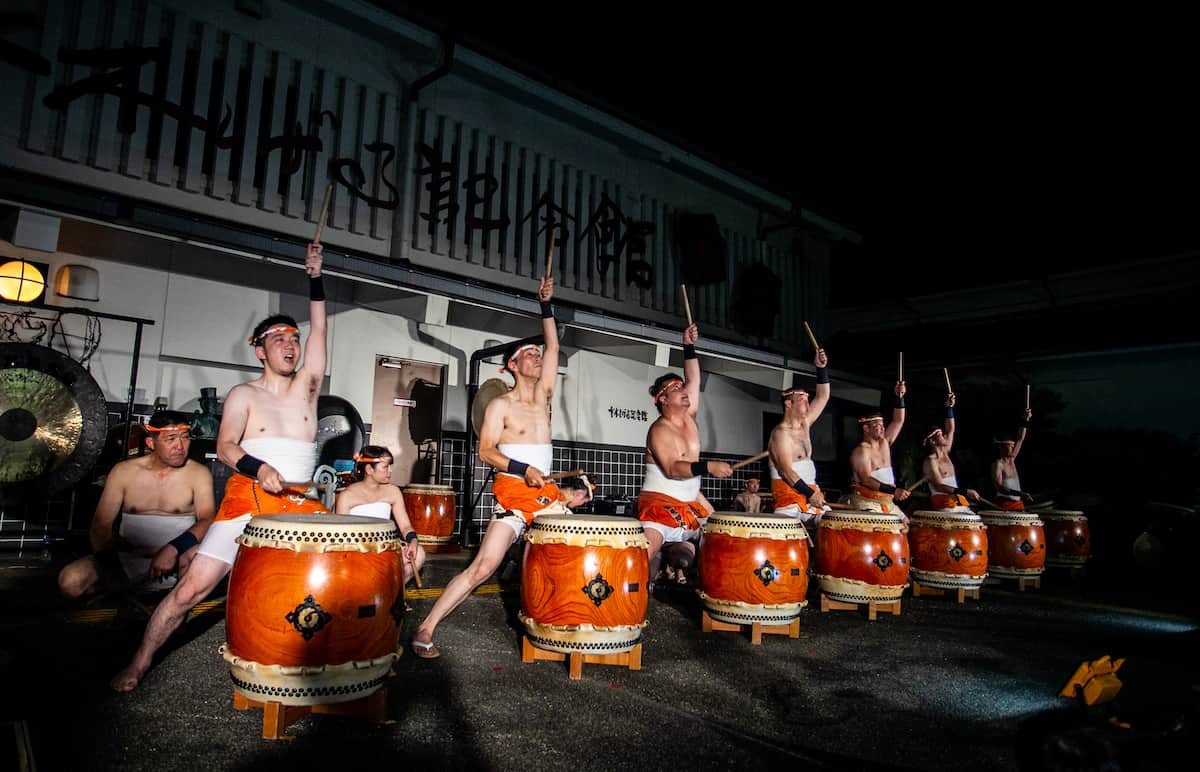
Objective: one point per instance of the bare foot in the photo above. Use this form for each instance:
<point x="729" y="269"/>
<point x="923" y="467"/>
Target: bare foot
<point x="128" y="679"/>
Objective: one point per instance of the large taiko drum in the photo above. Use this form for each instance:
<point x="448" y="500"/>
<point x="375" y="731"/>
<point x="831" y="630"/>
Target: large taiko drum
<point x="313" y="608"/>
<point x="949" y="549"/>
<point x="862" y="557"/>
<point x="1068" y="539"/>
<point x="753" y="568"/>
<point x="1016" y="543"/>
<point x="583" y="583"/>
<point x="431" y="511"/>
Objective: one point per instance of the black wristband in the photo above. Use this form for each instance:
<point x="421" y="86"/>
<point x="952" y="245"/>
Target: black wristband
<point x="249" y="465"/>
<point x="316" y="289"/>
<point x="886" y="488"/>
<point x="699" y="468"/>
<point x="410" y="537"/>
<point x="184" y="542"/>
<point x="822" y="375"/>
<point x="516" y="467"/>
<point x="949" y="411"/>
<point x="899" y="403"/>
<point x="689" y="352"/>
<point x="547" y="310"/>
<point x="802" y="488"/>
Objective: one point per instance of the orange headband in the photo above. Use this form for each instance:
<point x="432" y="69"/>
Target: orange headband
<point x="361" y="459"/>
<point x="674" y="383"/>
<point x="169" y="428"/>
<point x="929" y="436"/>
<point x="868" y="420"/>
<point x="253" y="340"/>
<point x="791" y="392"/>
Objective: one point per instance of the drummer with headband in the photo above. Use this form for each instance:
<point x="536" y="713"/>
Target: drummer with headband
<point x="1004" y="468"/>
<point x="670" y="505"/>
<point x="374" y="496"/>
<point x="939" y="469"/>
<point x="874" y="483"/>
<point x="152" y="513"/>
<point x="515" y="439"/>
<point x="268" y="428"/>
<point x="793" y="473"/>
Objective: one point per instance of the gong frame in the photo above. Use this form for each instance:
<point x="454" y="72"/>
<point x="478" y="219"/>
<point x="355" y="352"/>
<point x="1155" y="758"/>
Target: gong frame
<point x="139" y="323"/>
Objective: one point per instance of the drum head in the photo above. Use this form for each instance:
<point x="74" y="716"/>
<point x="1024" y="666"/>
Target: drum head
<point x="580" y="530"/>
<point x="491" y="388"/>
<point x="322" y="533"/>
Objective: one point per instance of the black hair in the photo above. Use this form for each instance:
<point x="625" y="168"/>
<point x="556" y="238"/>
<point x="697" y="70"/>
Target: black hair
<point x="267" y="324"/>
<point x="169" y="418"/>
<point x="370" y="451"/>
<point x="656" y="387"/>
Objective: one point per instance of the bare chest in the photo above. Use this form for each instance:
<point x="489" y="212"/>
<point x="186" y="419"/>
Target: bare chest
<point x="149" y="493"/>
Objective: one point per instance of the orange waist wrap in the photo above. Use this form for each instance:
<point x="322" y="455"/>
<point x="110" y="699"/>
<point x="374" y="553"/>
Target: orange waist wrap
<point x="785" y="495"/>
<point x="1012" y="505"/>
<point x="244" y="496"/>
<point x="885" y="499"/>
<point x="673" y="513"/>
<point x="948" y="500"/>
<point x="513" y="495"/>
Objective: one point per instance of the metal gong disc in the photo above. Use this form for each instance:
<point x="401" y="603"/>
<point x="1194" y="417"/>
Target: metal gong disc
<point x="53" y="417"/>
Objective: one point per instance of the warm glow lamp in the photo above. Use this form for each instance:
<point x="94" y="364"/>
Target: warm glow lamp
<point x="21" y="282"/>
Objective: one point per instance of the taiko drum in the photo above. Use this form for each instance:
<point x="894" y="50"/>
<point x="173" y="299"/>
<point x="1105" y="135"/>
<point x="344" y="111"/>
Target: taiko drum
<point x="949" y="550"/>
<point x="583" y="585"/>
<point x="431" y="511"/>
<point x="313" y="608"/>
<point x="1016" y="543"/>
<point x="1068" y="539"/>
<point x="753" y="568"/>
<point x="862" y="557"/>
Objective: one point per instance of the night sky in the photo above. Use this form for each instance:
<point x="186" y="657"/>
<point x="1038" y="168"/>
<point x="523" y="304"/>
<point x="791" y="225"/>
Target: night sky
<point x="964" y="150"/>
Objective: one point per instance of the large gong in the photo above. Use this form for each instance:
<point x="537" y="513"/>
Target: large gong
<point x="53" y="418"/>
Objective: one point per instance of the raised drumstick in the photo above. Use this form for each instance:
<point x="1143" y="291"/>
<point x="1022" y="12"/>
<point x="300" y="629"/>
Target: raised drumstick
<point x="687" y="308"/>
<point x="324" y="214"/>
<point x="901" y="378"/>
<point x="949" y="388"/>
<point x="812" y="338"/>
<point x="1027" y="396"/>
<point x="550" y="252"/>
<point x="751" y="460"/>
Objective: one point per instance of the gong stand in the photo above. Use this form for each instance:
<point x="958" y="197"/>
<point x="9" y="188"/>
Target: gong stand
<point x="138" y="322"/>
<point x="469" y="466"/>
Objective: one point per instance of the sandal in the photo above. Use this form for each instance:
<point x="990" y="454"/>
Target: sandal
<point x="425" y="650"/>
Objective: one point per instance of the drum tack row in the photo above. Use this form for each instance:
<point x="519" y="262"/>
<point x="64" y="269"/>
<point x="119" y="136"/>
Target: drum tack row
<point x="315" y="601"/>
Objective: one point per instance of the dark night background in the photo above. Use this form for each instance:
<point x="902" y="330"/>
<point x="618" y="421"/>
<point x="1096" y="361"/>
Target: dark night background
<point x="967" y="150"/>
<point x="964" y="150"/>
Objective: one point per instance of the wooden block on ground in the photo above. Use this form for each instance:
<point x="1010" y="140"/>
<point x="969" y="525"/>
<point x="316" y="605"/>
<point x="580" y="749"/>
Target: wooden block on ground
<point x="631" y="659"/>
<point x="757" y="629"/>
<point x="277" y="717"/>
<point x="873" y="607"/>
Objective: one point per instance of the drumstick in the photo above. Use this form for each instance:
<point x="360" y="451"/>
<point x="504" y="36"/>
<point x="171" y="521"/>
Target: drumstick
<point x="550" y="253"/>
<point x="563" y="475"/>
<point x="949" y="389"/>
<point x="324" y="213"/>
<point x="1027" y="396"/>
<point x="918" y="484"/>
<point x="835" y="505"/>
<point x="416" y="573"/>
<point x="901" y="378"/>
<point x="751" y="460"/>
<point x="687" y="308"/>
<point x="303" y="486"/>
<point x="991" y="504"/>
<point x="812" y="338"/>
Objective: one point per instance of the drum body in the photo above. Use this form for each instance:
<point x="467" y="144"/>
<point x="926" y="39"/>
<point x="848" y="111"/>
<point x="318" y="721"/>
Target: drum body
<point x="862" y="556"/>
<point x="1016" y="543"/>
<point x="431" y="511"/>
<point x="1068" y="539"/>
<point x="753" y="568"/>
<point x="583" y="585"/>
<point x="949" y="549"/>
<point x="313" y="608"/>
